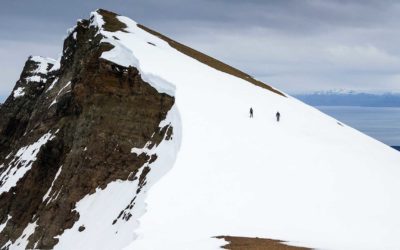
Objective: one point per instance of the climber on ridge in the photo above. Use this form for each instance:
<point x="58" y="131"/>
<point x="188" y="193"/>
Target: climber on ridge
<point x="251" y="112"/>
<point x="278" y="116"/>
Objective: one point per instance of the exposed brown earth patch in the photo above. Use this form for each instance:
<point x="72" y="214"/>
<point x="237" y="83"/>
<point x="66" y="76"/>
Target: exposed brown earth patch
<point x="112" y="23"/>
<point x="208" y="60"/>
<point x="245" y="243"/>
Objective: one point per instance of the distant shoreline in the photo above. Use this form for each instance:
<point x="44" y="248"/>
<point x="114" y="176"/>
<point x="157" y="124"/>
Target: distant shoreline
<point x="381" y="123"/>
<point x="351" y="99"/>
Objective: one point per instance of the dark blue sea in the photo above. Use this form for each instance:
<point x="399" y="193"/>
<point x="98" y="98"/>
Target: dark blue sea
<point x="382" y="124"/>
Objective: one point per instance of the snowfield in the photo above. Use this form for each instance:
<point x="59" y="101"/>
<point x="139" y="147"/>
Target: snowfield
<point x="308" y="179"/>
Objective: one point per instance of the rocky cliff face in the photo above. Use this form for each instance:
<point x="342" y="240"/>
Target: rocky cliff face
<point x="69" y="128"/>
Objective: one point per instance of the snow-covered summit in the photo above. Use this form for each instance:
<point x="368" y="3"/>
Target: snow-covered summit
<point x="128" y="37"/>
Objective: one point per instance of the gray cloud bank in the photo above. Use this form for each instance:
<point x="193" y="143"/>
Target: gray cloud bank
<point x="295" y="45"/>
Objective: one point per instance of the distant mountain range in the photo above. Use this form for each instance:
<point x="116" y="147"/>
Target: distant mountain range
<point x="350" y="98"/>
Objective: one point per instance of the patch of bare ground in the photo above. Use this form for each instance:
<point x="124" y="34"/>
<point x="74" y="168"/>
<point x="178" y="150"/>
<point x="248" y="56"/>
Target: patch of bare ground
<point x="111" y="22"/>
<point x="245" y="243"/>
<point x="212" y="62"/>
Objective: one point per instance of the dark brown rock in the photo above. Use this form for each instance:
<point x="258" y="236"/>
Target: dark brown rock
<point x="247" y="243"/>
<point x="102" y="111"/>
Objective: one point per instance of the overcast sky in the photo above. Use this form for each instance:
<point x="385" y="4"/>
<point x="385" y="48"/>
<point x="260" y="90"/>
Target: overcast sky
<point x="295" y="45"/>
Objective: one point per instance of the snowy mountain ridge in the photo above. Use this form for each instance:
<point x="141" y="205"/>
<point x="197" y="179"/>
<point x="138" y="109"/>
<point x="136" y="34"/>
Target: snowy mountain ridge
<point x="135" y="141"/>
<point x="347" y="92"/>
<point x="351" y="98"/>
<point x="336" y="92"/>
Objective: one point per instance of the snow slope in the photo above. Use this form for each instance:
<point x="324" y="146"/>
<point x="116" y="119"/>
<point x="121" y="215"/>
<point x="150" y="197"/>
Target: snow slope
<point x="308" y="179"/>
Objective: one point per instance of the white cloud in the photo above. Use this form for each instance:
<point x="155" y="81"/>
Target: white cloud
<point x="304" y="63"/>
<point x="362" y="57"/>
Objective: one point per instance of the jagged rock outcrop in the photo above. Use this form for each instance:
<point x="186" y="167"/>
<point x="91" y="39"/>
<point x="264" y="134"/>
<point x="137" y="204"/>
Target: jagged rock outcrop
<point x="68" y="129"/>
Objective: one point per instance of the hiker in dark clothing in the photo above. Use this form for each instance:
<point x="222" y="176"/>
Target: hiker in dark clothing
<point x="278" y="116"/>
<point x="251" y="112"/>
